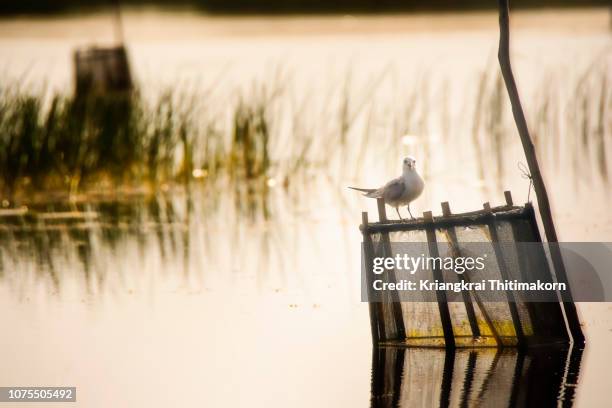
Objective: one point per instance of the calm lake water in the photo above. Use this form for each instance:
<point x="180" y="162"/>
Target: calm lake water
<point x="207" y="296"/>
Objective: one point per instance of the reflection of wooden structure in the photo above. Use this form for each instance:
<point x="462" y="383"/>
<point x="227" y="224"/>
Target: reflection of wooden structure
<point x="464" y="378"/>
<point x="101" y="71"/>
<point x="471" y="322"/>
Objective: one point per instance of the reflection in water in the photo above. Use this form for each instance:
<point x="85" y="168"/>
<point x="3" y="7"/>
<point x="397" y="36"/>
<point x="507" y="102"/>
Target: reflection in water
<point x="197" y="240"/>
<point x="183" y="236"/>
<point x="421" y="377"/>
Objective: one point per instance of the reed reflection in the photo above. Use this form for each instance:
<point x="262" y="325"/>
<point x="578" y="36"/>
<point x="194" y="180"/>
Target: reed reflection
<point x="104" y="242"/>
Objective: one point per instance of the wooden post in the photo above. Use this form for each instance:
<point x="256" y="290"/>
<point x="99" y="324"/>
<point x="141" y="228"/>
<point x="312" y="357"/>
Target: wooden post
<point x="119" y="38"/>
<point x="532" y="162"/>
<point x="508" y="196"/>
<point x="382" y="211"/>
<point x="546" y="309"/>
<point x="445" y="318"/>
<point x="396" y="307"/>
<point x="375" y="320"/>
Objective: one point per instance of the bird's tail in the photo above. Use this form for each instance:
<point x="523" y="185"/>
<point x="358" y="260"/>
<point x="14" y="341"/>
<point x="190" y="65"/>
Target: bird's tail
<point x="369" y="192"/>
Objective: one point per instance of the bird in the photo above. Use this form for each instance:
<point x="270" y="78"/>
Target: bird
<point x="399" y="191"/>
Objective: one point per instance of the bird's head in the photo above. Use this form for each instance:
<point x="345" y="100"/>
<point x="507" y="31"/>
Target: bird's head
<point x="409" y="163"/>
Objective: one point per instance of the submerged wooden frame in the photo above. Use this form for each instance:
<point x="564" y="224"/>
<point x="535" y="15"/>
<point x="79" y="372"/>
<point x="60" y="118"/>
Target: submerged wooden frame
<point x="488" y="217"/>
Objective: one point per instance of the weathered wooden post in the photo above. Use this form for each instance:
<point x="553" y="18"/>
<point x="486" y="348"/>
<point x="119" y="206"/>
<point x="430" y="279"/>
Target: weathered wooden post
<point x="538" y="182"/>
<point x="445" y="317"/>
<point x="395" y="302"/>
<point x="375" y="314"/>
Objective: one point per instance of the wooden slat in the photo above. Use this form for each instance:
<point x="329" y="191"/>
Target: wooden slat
<point x="447" y="324"/>
<point x="454" y="220"/>
<point x="375" y="321"/>
<point x="538" y="310"/>
<point x="396" y="306"/>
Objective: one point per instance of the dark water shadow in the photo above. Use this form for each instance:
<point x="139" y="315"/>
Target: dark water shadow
<point x="421" y="377"/>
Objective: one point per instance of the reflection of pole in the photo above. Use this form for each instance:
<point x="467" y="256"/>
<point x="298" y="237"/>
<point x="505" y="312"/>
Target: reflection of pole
<point x="118" y="23"/>
<point x="447" y="378"/>
<point x="530" y="154"/>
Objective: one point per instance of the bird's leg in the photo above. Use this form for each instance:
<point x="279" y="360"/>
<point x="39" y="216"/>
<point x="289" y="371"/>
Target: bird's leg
<point x="408" y="206"/>
<point x="398" y="213"/>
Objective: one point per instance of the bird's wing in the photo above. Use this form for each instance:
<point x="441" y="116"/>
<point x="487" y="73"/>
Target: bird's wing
<point x="393" y="190"/>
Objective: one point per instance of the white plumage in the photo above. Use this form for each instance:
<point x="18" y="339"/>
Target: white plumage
<point x="399" y="191"/>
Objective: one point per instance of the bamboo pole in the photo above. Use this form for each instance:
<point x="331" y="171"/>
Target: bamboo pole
<point x="530" y="154"/>
<point x="119" y="37"/>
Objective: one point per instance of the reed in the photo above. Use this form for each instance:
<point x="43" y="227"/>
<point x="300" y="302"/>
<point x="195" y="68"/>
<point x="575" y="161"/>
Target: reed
<point x="273" y="135"/>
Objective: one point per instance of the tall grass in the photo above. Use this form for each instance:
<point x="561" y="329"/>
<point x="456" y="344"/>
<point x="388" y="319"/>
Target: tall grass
<point x="264" y="138"/>
<point x="121" y="140"/>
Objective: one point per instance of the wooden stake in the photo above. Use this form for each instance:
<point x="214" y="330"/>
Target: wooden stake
<point x="396" y="307"/>
<point x="382" y="211"/>
<point x="508" y="196"/>
<point x="532" y="162"/>
<point x="445" y="317"/>
<point x="375" y="320"/>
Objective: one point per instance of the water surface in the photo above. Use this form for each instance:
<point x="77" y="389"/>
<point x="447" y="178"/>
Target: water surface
<point x="204" y="296"/>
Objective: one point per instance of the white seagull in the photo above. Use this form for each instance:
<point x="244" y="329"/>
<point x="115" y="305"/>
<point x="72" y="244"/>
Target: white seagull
<point x="400" y="191"/>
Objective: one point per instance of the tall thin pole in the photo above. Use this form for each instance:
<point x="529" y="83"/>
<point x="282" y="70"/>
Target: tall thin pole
<point x="532" y="161"/>
<point x="119" y="38"/>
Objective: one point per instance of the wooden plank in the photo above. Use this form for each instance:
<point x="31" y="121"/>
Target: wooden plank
<point x="445" y="318"/>
<point x="375" y="322"/>
<point x="531" y="307"/>
<point x="537" y="307"/>
<point x="454" y="220"/>
<point x="398" y="316"/>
